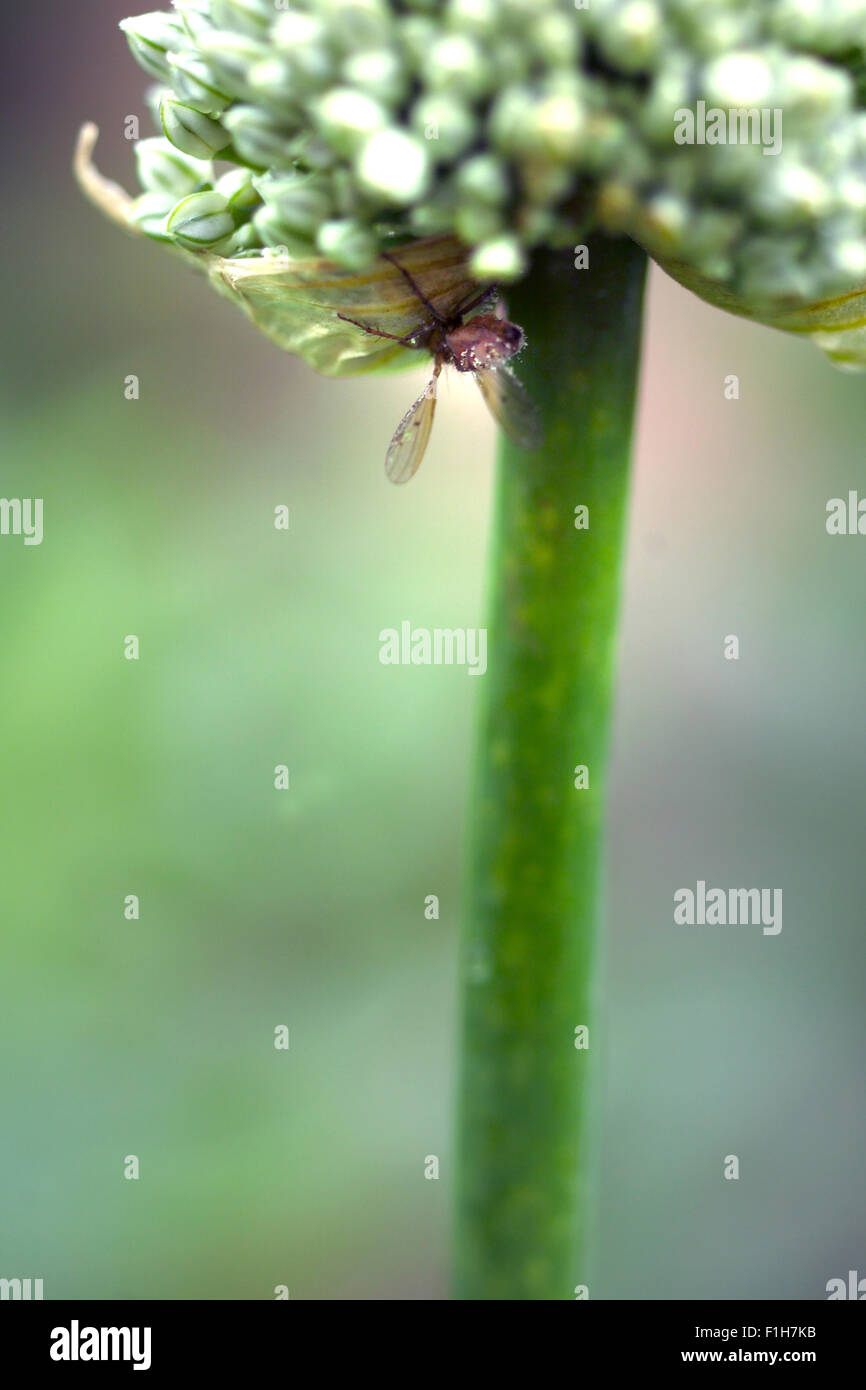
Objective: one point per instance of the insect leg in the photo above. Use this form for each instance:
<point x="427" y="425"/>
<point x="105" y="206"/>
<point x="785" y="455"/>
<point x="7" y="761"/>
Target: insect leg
<point x="375" y="332"/>
<point x="424" y="300"/>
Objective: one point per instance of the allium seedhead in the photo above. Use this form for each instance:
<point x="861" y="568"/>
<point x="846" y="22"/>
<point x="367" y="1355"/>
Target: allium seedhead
<point x="728" y="138"/>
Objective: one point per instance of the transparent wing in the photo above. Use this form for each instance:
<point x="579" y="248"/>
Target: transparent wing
<point x="511" y="406"/>
<point x="409" y="444"/>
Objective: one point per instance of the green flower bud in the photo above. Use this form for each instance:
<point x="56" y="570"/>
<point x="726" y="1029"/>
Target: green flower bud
<point x="739" y="80"/>
<point x="666" y="220"/>
<point x="238" y="189"/>
<point x="250" y="17"/>
<point x="478" y="222"/>
<point x="163" y="169"/>
<point x="711" y="233"/>
<point x="274" y="234"/>
<point x="302" y="40"/>
<point x="499" y="260"/>
<point x="555" y="129"/>
<point x="244" y="238"/>
<point x="790" y="194"/>
<point x="150" y="213"/>
<point x="394" y="166"/>
<point x="357" y="24"/>
<point x="604" y="140"/>
<point x="310" y="151"/>
<point x="545" y="181"/>
<point x="301" y="201"/>
<point x="347" y="242"/>
<point x="671" y="89"/>
<point x="633" y="34"/>
<point x="201" y="222"/>
<point x="154" y="97"/>
<point x="456" y="65"/>
<point x="150" y="37"/>
<point x="269" y="82"/>
<point x="775" y="269"/>
<point x="850" y="194"/>
<point x="556" y="41"/>
<point x="509" y="117"/>
<point x="347" y="118"/>
<point x="478" y="18"/>
<point x="257" y="136"/>
<point x="191" y="131"/>
<point x="378" y="73"/>
<point x="511" y="64"/>
<point x="848" y="257"/>
<point x="484" y="179"/>
<point x="436" y="215"/>
<point x="195" y="84"/>
<point x="417" y="34"/>
<point x="230" y="57"/>
<point x="810" y="90"/>
<point x="446" y="124"/>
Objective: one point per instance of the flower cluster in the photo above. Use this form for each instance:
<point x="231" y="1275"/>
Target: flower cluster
<point x="334" y="127"/>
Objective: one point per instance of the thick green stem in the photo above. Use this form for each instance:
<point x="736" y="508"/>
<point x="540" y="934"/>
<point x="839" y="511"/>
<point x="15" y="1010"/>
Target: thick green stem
<point x="532" y="900"/>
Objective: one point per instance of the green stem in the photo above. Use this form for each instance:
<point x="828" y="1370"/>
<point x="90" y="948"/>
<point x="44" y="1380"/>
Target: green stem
<point x="532" y="901"/>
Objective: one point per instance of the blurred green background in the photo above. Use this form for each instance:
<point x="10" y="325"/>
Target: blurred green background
<point x="306" y="908"/>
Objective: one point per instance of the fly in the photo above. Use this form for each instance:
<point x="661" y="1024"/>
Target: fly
<point x="484" y="346"/>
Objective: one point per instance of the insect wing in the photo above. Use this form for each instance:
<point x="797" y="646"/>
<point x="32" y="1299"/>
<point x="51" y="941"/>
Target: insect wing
<point x="299" y="302"/>
<point x="409" y="444"/>
<point x="511" y="406"/>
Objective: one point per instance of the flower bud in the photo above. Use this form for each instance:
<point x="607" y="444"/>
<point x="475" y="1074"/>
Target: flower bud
<point x="556" y="41"/>
<point x="418" y="33"/>
<point x="347" y="242"/>
<point x="484" y="179"/>
<point x="477" y="222"/>
<point x="394" y="167"/>
<point x="243" y="16"/>
<point x="456" y="65"/>
<point x="359" y="24"/>
<point x="346" y="118"/>
<point x="191" y="131"/>
<point x="257" y="137"/>
<point x="738" y="80"/>
<point x="150" y="214"/>
<point x="150" y="37"/>
<point x="501" y="259"/>
<point x="201" y="222"/>
<point x="269" y="82"/>
<point x="446" y="124"/>
<point x="244" y="238"/>
<point x="555" y="129"/>
<point x="301" y="201"/>
<point x="478" y="18"/>
<point x="378" y="73"/>
<point x="163" y="169"/>
<point x="790" y="193"/>
<point x="436" y="214"/>
<point x="274" y="235"/>
<point x="193" y="81"/>
<point x="237" y="188"/>
<point x="230" y="57"/>
<point x="302" y="40"/>
<point x="633" y="35"/>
